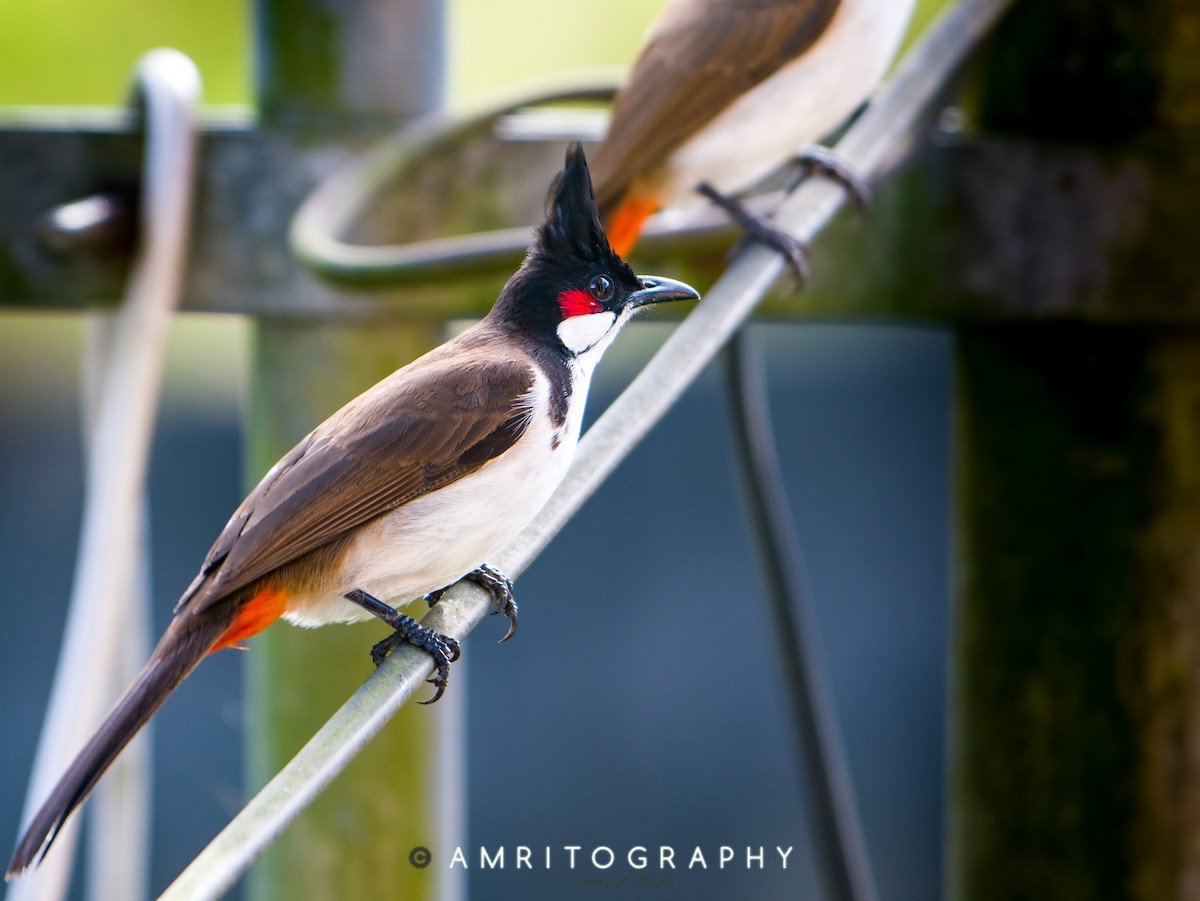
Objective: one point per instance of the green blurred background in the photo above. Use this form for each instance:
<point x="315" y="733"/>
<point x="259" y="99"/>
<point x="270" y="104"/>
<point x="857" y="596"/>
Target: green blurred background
<point x="77" y="53"/>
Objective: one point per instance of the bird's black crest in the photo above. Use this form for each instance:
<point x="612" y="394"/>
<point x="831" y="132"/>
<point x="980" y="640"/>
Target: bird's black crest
<point x="572" y="228"/>
<point x="569" y="249"/>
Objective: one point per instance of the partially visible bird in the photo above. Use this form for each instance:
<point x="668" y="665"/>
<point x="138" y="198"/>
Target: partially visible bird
<point x="408" y="488"/>
<point x="726" y="91"/>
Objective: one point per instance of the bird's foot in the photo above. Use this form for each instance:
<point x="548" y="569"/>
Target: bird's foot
<point x="761" y="229"/>
<point x="442" y="648"/>
<point x="818" y="160"/>
<point x="499" y="586"/>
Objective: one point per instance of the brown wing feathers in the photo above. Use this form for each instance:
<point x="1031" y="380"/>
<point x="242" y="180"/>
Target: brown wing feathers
<point x="406" y="443"/>
<point x="699" y="57"/>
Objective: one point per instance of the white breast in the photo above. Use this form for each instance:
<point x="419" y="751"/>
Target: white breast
<point x="438" y="538"/>
<point x="799" y="104"/>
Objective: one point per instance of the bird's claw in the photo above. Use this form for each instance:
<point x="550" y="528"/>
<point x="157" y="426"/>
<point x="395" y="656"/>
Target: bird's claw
<point x="500" y="587"/>
<point x="442" y="648"/>
<point x="763" y="230"/>
<point x="816" y="159"/>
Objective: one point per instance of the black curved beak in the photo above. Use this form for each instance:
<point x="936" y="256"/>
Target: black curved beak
<point x="656" y="290"/>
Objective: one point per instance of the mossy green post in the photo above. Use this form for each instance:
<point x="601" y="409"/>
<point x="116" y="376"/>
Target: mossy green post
<point x="357" y="836"/>
<point x="1075" y="763"/>
<point x="336" y="73"/>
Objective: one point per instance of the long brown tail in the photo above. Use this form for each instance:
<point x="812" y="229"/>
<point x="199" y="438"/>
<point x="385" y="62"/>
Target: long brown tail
<point x="183" y="645"/>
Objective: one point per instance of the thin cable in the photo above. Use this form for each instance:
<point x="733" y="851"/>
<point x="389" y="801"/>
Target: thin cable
<point x="841" y="846"/>
<point x="168" y="87"/>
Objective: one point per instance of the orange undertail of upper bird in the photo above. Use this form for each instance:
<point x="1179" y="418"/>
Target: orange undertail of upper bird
<point x="625" y="224"/>
<point x="258" y="613"/>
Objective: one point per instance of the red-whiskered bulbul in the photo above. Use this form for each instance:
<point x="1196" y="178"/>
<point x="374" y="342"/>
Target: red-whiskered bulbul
<point x="726" y="91"/>
<point x="409" y="487"/>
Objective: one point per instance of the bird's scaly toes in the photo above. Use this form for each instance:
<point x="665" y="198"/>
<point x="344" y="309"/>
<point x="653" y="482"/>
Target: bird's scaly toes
<point x="818" y="160"/>
<point x="500" y="587"/>
<point x="442" y="648"/>
<point x="763" y="230"/>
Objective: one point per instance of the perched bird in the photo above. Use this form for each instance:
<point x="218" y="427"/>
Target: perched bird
<point x="726" y="91"/>
<point x="409" y="487"/>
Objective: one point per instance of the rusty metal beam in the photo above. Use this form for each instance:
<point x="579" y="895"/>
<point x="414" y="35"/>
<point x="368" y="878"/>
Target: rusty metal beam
<point x="970" y="228"/>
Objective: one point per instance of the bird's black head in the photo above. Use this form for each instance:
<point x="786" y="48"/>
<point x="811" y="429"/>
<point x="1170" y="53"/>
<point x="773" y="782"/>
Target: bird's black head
<point x="573" y="292"/>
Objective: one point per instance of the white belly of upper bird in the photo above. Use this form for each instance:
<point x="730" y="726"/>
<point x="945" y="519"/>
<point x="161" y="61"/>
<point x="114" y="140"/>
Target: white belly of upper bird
<point x="436" y="539"/>
<point x="799" y="104"/>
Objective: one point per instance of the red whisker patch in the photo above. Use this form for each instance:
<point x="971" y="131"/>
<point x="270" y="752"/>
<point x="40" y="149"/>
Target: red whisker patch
<point x="576" y="302"/>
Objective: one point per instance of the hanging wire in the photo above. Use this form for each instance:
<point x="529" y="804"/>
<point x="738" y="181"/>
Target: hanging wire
<point x="167" y="90"/>
<point x="837" y="829"/>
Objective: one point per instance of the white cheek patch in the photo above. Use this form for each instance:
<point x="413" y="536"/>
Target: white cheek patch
<point x="582" y="332"/>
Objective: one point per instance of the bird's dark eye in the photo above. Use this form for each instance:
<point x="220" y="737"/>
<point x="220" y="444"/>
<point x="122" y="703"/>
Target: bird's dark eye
<point x="601" y="287"/>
